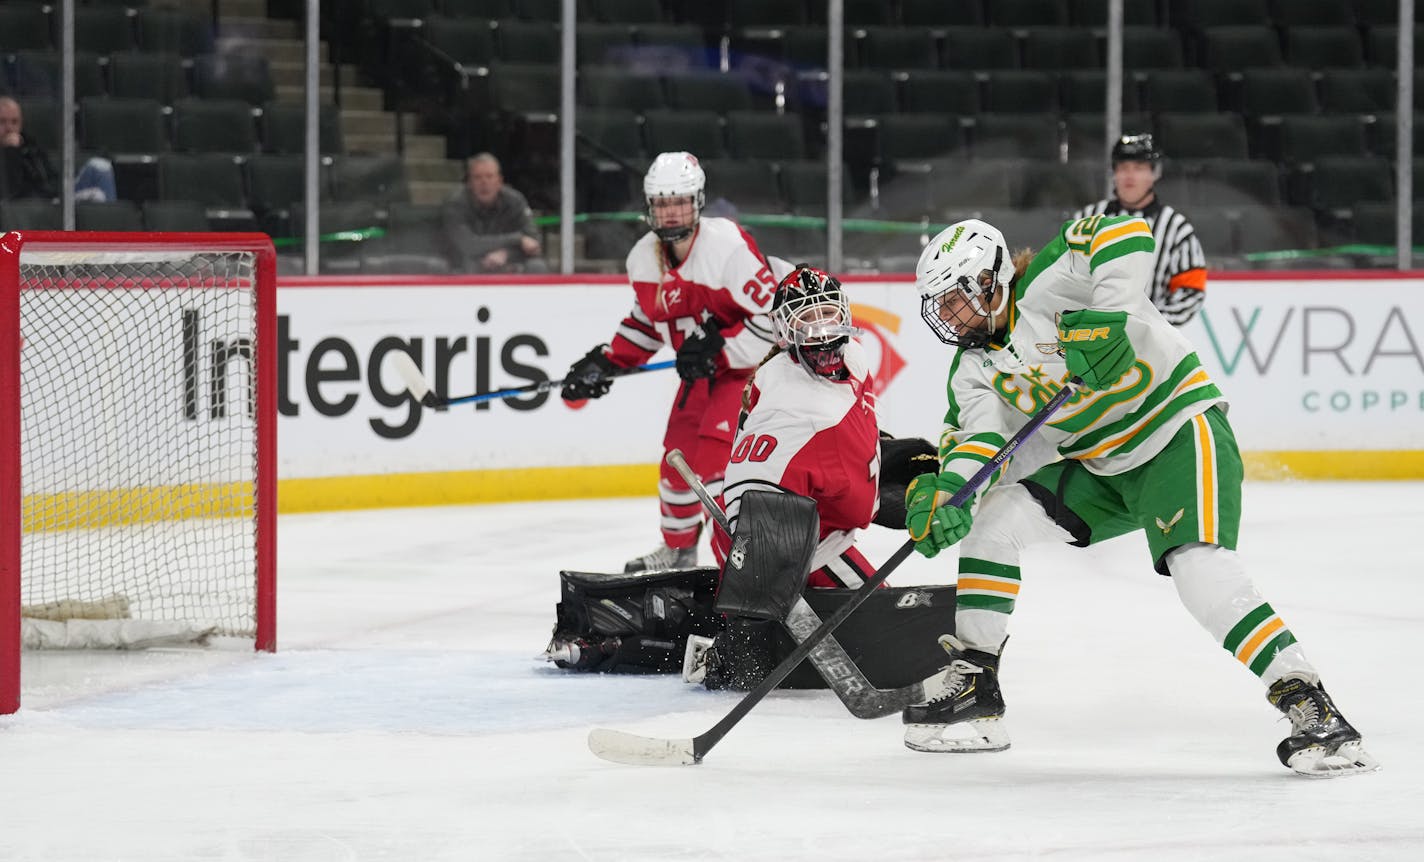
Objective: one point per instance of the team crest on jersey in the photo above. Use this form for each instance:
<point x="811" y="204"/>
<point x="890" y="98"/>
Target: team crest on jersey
<point x="913" y="599"/>
<point x="1166" y="526"/>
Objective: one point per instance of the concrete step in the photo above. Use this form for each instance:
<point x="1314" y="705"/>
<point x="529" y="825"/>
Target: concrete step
<point x="376" y="123"/>
<point x="448" y="171"/>
<point x="294" y="74"/>
<point x="416" y="146"/>
<point x="256" y="27"/>
<point x="428" y="192"/>
<point x="275" y="50"/>
<point x="354" y="98"/>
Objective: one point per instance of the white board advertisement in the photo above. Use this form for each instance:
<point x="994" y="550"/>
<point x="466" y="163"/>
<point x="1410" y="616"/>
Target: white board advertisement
<point x="1308" y="364"/>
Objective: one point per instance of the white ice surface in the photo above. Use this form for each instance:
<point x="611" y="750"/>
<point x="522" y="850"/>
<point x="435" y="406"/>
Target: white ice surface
<point x="405" y="717"/>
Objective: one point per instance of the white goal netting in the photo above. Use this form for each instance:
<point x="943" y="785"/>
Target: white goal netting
<point x="139" y="449"/>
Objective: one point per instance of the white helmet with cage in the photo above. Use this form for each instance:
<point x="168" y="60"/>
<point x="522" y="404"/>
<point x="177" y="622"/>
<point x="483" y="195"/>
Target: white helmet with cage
<point x="675" y="175"/>
<point x="968" y="260"/>
<point x="811" y="318"/>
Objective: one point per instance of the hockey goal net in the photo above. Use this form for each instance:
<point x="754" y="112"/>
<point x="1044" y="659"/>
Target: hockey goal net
<point x="137" y="441"/>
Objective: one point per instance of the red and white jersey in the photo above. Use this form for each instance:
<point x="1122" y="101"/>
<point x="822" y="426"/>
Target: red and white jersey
<point x="810" y="436"/>
<point x="725" y="276"/>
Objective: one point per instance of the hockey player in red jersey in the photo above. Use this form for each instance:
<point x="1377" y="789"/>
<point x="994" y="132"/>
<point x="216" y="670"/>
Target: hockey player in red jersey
<point x="809" y="426"/>
<point x="702" y="287"/>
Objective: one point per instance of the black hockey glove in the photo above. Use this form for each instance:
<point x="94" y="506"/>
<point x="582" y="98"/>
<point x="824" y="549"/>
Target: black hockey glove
<point x="697" y="358"/>
<point x="590" y="377"/>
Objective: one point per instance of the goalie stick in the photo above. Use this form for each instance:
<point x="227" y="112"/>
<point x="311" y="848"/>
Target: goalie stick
<point x="419" y="387"/>
<point x="629" y="748"/>
<point x="861" y="698"/>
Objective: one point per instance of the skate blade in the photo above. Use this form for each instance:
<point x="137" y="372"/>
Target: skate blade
<point x="1348" y="759"/>
<point x="981" y="735"/>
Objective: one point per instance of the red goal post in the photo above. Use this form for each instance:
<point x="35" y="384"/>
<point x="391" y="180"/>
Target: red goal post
<point x="138" y="406"/>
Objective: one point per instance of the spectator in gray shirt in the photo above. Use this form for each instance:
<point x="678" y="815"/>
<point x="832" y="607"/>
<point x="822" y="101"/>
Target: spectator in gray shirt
<point x="488" y="226"/>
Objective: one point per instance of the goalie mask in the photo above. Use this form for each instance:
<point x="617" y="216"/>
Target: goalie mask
<point x="675" y="191"/>
<point x="811" y="318"/>
<point x="963" y="278"/>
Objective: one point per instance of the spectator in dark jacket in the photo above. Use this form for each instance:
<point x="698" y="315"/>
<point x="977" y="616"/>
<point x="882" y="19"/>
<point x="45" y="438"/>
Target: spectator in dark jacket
<point x="27" y="172"/>
<point x="488" y="226"/>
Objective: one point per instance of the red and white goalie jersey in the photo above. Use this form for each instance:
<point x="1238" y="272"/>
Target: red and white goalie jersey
<point x="725" y="276"/>
<point x="817" y="437"/>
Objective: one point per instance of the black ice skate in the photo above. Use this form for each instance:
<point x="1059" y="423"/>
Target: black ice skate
<point x="1322" y="743"/>
<point x="662" y="559"/>
<point x="969" y="716"/>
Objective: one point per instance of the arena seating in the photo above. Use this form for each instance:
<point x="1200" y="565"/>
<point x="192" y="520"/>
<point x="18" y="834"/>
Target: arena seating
<point x="1276" y="116"/>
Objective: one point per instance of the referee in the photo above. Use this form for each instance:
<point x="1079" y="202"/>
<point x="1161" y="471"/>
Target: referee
<point x="1178" y="266"/>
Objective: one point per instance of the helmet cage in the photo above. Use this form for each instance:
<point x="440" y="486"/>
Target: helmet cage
<point x="970" y="323"/>
<point x="672" y="234"/>
<point x="674" y="175"/>
<point x="811" y="319"/>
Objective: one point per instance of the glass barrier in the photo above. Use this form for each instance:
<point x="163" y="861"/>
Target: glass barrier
<point x="1275" y="139"/>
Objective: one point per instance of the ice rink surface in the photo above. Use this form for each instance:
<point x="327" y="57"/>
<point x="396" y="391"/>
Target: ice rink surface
<point x="406" y="718"/>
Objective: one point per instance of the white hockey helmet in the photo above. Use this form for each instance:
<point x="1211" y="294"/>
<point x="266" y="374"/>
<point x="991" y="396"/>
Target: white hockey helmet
<point x="811" y="318"/>
<point x="675" y="175"/>
<point x="969" y="258"/>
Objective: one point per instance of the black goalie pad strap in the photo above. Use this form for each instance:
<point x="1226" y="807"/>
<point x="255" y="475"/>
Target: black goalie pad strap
<point x="770" y="558"/>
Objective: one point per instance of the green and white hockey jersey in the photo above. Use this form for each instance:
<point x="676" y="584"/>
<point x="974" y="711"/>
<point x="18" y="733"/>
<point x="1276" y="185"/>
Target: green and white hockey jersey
<point x="1099" y="262"/>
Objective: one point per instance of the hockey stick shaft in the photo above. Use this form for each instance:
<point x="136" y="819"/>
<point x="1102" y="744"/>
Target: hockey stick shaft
<point x="684" y="469"/>
<point x="419" y="387"/>
<point x="627" y="748"/>
<point x="830" y="659"/>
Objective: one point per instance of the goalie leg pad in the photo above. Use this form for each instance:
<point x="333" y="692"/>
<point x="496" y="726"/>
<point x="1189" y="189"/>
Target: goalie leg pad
<point x="770" y="557"/>
<point x="742" y="655"/>
<point x="631" y="623"/>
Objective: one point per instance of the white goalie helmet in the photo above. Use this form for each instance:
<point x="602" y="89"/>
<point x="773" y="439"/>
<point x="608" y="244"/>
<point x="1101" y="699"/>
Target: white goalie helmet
<point x="675" y="175"/>
<point x="968" y="259"/>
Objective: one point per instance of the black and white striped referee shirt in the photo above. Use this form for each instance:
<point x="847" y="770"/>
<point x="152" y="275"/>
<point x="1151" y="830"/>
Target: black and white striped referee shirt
<point x="1178" y="266"/>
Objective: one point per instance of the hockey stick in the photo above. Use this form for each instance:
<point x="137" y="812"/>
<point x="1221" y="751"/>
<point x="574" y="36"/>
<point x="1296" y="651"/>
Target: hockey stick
<point x="620" y="747"/>
<point x="860" y="696"/>
<point x="419" y="387"/>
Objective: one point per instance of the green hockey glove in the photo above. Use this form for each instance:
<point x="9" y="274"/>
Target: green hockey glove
<point x="934" y="526"/>
<point x="1096" y="346"/>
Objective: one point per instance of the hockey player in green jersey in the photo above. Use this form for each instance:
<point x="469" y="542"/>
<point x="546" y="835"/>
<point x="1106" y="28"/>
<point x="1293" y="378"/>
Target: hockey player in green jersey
<point x="1143" y="444"/>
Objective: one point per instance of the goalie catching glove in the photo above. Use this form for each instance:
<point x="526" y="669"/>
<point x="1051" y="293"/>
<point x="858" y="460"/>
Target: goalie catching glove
<point x="590" y="377"/>
<point x="1096" y="346"/>
<point x="933" y="525"/>
<point x="901" y="460"/>
<point x="697" y="358"/>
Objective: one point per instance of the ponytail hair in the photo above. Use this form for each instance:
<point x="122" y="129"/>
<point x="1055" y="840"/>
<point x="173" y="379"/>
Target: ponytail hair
<point x="1022" y="258"/>
<point x="747" y="390"/>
